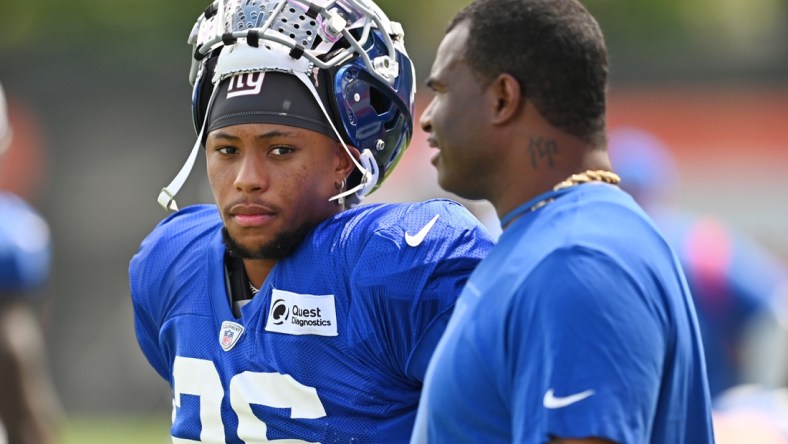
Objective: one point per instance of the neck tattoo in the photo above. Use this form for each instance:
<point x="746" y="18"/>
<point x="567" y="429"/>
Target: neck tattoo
<point x="253" y="289"/>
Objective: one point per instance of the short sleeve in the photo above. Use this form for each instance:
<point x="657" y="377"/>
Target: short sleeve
<point x="155" y="271"/>
<point x="146" y="328"/>
<point x="594" y="348"/>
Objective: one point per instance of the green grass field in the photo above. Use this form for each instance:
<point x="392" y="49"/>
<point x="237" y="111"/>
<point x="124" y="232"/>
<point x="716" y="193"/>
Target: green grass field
<point x="115" y="430"/>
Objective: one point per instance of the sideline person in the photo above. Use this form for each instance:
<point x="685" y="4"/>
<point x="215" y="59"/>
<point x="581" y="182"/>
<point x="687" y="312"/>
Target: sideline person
<point x="578" y="326"/>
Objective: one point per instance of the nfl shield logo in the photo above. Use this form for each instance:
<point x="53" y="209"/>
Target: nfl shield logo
<point x="229" y="334"/>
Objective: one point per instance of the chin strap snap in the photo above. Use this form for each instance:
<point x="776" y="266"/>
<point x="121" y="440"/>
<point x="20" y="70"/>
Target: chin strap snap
<point x="370" y="173"/>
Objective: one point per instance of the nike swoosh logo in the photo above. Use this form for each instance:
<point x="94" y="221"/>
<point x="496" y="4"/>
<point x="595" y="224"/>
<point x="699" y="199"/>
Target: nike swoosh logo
<point x="554" y="402"/>
<point x="416" y="239"/>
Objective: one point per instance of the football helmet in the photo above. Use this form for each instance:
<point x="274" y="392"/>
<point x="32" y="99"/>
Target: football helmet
<point x="350" y="44"/>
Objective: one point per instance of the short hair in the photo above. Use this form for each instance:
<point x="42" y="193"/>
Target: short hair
<point x="554" y="48"/>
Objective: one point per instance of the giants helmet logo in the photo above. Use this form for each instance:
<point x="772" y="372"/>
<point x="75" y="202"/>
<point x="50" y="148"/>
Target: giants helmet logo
<point x="248" y="84"/>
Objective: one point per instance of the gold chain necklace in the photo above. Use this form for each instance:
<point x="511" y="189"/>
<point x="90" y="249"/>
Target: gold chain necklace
<point x="580" y="178"/>
<point x="575" y="179"/>
<point x="588" y="176"/>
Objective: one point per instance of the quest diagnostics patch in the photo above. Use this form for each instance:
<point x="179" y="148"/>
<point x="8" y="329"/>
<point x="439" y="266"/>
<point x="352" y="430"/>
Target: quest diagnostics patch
<point x="302" y="314"/>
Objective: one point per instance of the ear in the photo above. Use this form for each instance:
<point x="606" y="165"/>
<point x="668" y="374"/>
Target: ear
<point x="344" y="164"/>
<point x="507" y="98"/>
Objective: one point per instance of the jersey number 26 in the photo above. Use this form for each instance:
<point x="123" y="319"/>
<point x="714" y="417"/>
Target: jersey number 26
<point x="199" y="377"/>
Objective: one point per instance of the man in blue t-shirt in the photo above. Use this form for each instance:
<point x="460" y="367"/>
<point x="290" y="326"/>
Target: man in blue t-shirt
<point x="286" y="313"/>
<point x="578" y="327"/>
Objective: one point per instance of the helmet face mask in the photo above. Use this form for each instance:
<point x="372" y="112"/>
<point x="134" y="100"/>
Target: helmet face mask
<point x="350" y="44"/>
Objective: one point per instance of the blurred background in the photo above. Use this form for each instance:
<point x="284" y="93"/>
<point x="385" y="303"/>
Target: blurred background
<point x="100" y="103"/>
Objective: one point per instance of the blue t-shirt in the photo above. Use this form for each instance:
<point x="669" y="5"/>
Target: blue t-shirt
<point x="578" y="324"/>
<point x="335" y="345"/>
<point x="25" y="248"/>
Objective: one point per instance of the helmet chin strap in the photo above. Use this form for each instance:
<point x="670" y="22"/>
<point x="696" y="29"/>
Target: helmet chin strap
<point x="366" y="164"/>
<point x="369" y="176"/>
<point x="167" y="195"/>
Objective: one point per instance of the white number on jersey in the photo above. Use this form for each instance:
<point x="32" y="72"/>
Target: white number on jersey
<point x="199" y="377"/>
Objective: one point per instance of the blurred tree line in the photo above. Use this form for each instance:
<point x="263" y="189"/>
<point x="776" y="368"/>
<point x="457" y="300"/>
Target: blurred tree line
<point x="651" y="40"/>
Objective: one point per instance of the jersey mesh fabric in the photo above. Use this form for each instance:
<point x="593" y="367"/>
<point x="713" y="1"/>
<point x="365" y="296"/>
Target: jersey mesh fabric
<point x="391" y="300"/>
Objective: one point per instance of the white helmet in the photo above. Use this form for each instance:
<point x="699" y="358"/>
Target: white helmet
<point x="351" y="43"/>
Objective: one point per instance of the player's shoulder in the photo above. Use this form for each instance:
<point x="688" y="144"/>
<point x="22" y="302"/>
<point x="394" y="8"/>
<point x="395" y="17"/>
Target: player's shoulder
<point x="179" y="235"/>
<point x="183" y="226"/>
<point x="442" y="216"/>
<point x="592" y="222"/>
<point x="24" y="245"/>
<point x="420" y="232"/>
<point x="410" y="253"/>
<point x="603" y="215"/>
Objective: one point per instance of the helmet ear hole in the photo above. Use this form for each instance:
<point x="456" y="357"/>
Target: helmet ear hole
<point x="393" y="121"/>
<point x="378" y="101"/>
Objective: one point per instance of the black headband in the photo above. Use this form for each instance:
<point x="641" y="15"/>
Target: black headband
<point x="267" y="97"/>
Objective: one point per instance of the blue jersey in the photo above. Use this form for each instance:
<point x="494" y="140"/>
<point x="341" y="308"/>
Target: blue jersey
<point x="25" y="248"/>
<point x="335" y="345"/>
<point x="578" y="324"/>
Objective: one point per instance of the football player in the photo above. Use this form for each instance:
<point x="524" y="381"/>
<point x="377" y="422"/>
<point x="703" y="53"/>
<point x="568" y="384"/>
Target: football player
<point x="286" y="312"/>
<point x="28" y="404"/>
